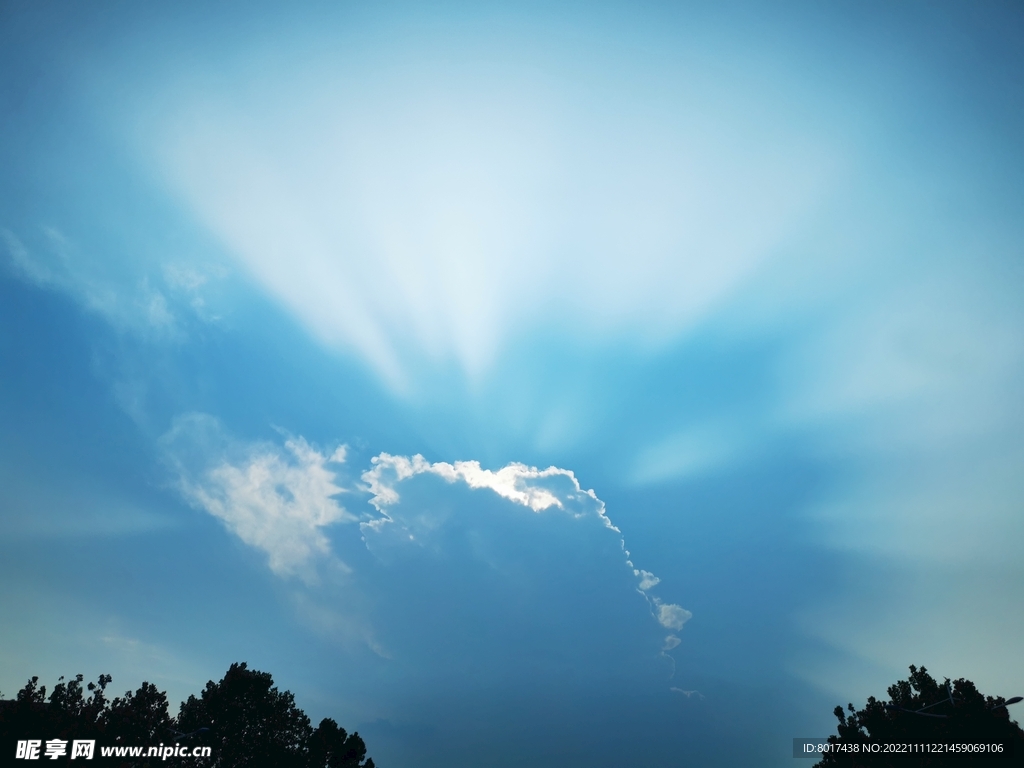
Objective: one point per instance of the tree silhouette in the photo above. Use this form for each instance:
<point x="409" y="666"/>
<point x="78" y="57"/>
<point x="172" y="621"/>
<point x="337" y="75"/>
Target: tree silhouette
<point x="137" y="718"/>
<point x="920" y="711"/>
<point x="244" y="718"/>
<point x="251" y="723"/>
<point x="69" y="712"/>
<point x="331" y="747"/>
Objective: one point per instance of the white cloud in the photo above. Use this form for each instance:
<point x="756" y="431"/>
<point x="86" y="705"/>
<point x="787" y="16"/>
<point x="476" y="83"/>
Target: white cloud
<point x="515" y="482"/>
<point x="536" y="489"/>
<point x="278" y="501"/>
<point x="671" y="616"/>
<point x="647" y="579"/>
<point x="528" y="486"/>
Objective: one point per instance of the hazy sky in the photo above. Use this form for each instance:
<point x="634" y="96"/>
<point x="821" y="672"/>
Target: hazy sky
<point x="562" y="385"/>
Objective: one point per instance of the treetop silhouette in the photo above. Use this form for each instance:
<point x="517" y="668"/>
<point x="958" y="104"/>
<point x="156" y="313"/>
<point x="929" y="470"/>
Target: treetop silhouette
<point x="244" y="718"/>
<point x="921" y="711"/>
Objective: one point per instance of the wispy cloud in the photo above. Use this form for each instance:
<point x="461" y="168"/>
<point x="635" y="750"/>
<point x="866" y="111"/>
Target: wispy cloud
<point x="687" y="694"/>
<point x="276" y="500"/>
<point x="687" y="453"/>
<point x="156" y="307"/>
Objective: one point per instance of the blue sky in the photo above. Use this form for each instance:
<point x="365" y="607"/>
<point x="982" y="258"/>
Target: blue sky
<point x="641" y="378"/>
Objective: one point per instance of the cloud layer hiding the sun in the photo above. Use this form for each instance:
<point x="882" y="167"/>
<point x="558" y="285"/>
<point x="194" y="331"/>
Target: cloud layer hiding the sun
<point x="518" y="549"/>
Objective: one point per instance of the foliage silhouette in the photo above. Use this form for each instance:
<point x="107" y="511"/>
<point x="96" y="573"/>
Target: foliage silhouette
<point x="955" y="712"/>
<point x="68" y="713"/>
<point x="331" y="747"/>
<point x="137" y="718"/>
<point x="244" y="718"/>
